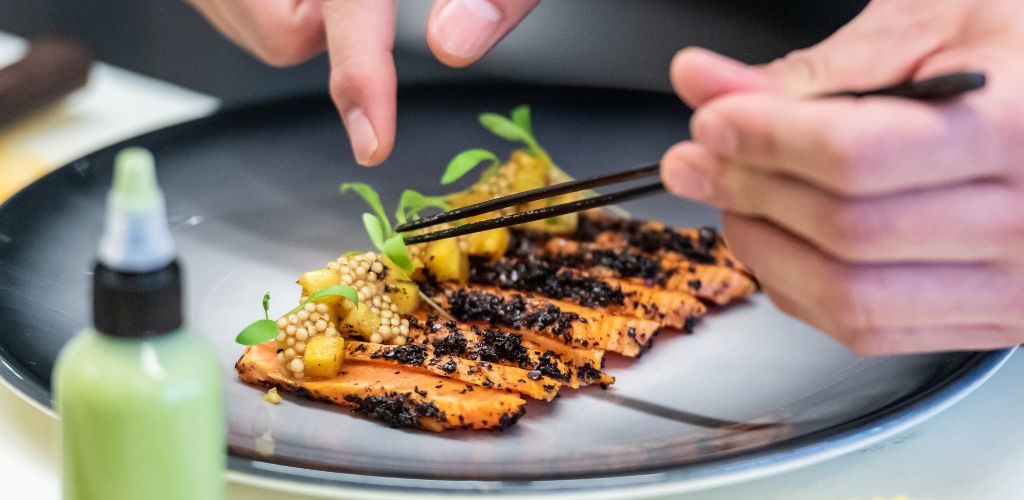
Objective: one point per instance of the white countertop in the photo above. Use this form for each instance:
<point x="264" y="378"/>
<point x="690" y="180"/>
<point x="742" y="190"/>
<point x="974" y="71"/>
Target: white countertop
<point x="974" y="450"/>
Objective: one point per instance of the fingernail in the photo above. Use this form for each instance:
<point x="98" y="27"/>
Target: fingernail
<point x="464" y="28"/>
<point x="711" y="130"/>
<point x="362" y="136"/>
<point x="687" y="173"/>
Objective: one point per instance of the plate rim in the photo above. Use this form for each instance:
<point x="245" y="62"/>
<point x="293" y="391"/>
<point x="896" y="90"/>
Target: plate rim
<point x="786" y="455"/>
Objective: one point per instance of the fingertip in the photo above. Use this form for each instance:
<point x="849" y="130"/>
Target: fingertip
<point x="686" y="170"/>
<point x="459" y="32"/>
<point x="699" y="75"/>
<point x="445" y="57"/>
<point x="682" y="72"/>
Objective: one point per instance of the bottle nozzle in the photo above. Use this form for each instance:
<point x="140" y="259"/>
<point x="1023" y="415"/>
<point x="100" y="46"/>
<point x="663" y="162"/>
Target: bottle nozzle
<point x="135" y="175"/>
<point x="136" y="237"/>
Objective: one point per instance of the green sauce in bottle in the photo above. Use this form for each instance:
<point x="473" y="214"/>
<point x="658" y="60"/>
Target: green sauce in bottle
<point x="138" y="395"/>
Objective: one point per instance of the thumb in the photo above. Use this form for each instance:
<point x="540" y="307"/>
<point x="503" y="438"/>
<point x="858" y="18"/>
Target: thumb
<point x="876" y="48"/>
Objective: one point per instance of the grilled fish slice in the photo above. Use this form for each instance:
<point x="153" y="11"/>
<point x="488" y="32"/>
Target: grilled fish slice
<point x="547" y="357"/>
<point x="574" y="324"/>
<point x="476" y="372"/>
<point x="715" y="283"/>
<point x="545" y="277"/>
<point x="703" y="245"/>
<point x="399" y="396"/>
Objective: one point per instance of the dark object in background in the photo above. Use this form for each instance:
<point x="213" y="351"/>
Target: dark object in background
<point x="607" y="43"/>
<point x="49" y="70"/>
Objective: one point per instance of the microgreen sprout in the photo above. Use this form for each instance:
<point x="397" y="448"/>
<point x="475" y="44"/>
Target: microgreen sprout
<point x="378" y="226"/>
<point x="413" y="202"/>
<point x="388" y="242"/>
<point x="515" y="127"/>
<point x="466" y="161"/>
<point x="264" y="330"/>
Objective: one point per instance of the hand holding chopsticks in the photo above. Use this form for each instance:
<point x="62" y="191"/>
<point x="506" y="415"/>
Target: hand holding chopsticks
<point x="932" y="89"/>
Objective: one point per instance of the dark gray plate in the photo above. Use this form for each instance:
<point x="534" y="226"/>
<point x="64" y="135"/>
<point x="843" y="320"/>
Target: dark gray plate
<point x="253" y="196"/>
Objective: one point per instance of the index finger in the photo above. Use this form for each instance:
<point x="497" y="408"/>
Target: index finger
<point x="360" y="37"/>
<point x="851" y="146"/>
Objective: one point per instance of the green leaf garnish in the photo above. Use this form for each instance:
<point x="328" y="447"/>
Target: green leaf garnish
<point x="394" y="249"/>
<point x="504" y="128"/>
<point x="521" y="116"/>
<point x="374" y="229"/>
<point x="343" y="291"/>
<point x="514" y="128"/>
<point x="412" y="202"/>
<point x="352" y="253"/>
<point x="258" y="332"/>
<point x="371" y="198"/>
<point x="466" y="161"/>
<point x="264" y="330"/>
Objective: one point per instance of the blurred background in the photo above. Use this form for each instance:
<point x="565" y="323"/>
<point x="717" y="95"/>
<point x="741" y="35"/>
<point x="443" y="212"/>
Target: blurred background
<point x="608" y="43"/>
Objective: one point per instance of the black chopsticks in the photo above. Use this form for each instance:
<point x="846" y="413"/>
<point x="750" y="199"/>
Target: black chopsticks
<point x="531" y="195"/>
<point x="939" y="88"/>
<point x="538" y="214"/>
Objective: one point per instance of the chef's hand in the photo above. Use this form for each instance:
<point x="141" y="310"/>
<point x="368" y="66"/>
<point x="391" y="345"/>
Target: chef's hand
<point x="895" y="226"/>
<point x="358" y="36"/>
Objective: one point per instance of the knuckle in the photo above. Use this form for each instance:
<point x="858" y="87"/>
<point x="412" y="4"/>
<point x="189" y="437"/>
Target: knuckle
<point x="870" y="342"/>
<point x="851" y="231"/>
<point x="804" y="65"/>
<point x="849" y="299"/>
<point x="346" y="80"/>
<point x="846" y="158"/>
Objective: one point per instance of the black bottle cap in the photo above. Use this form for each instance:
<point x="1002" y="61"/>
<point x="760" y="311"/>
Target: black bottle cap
<point x="137" y="305"/>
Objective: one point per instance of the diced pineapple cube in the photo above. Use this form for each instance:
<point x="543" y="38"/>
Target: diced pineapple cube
<point x="323" y="356"/>
<point x="395" y="272"/>
<point x="466" y="198"/>
<point x="316" y="280"/>
<point x="404" y="294"/>
<point x="360" y="320"/>
<point x="529" y="172"/>
<point x="447" y="262"/>
<point x="491" y="244"/>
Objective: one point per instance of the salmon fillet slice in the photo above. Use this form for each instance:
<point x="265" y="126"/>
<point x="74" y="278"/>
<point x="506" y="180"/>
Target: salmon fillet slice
<point x="673" y="308"/>
<point x="550" y="358"/>
<point x="399" y="396"/>
<point x="672" y="272"/>
<point x="572" y="323"/>
<point x="477" y="372"/>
